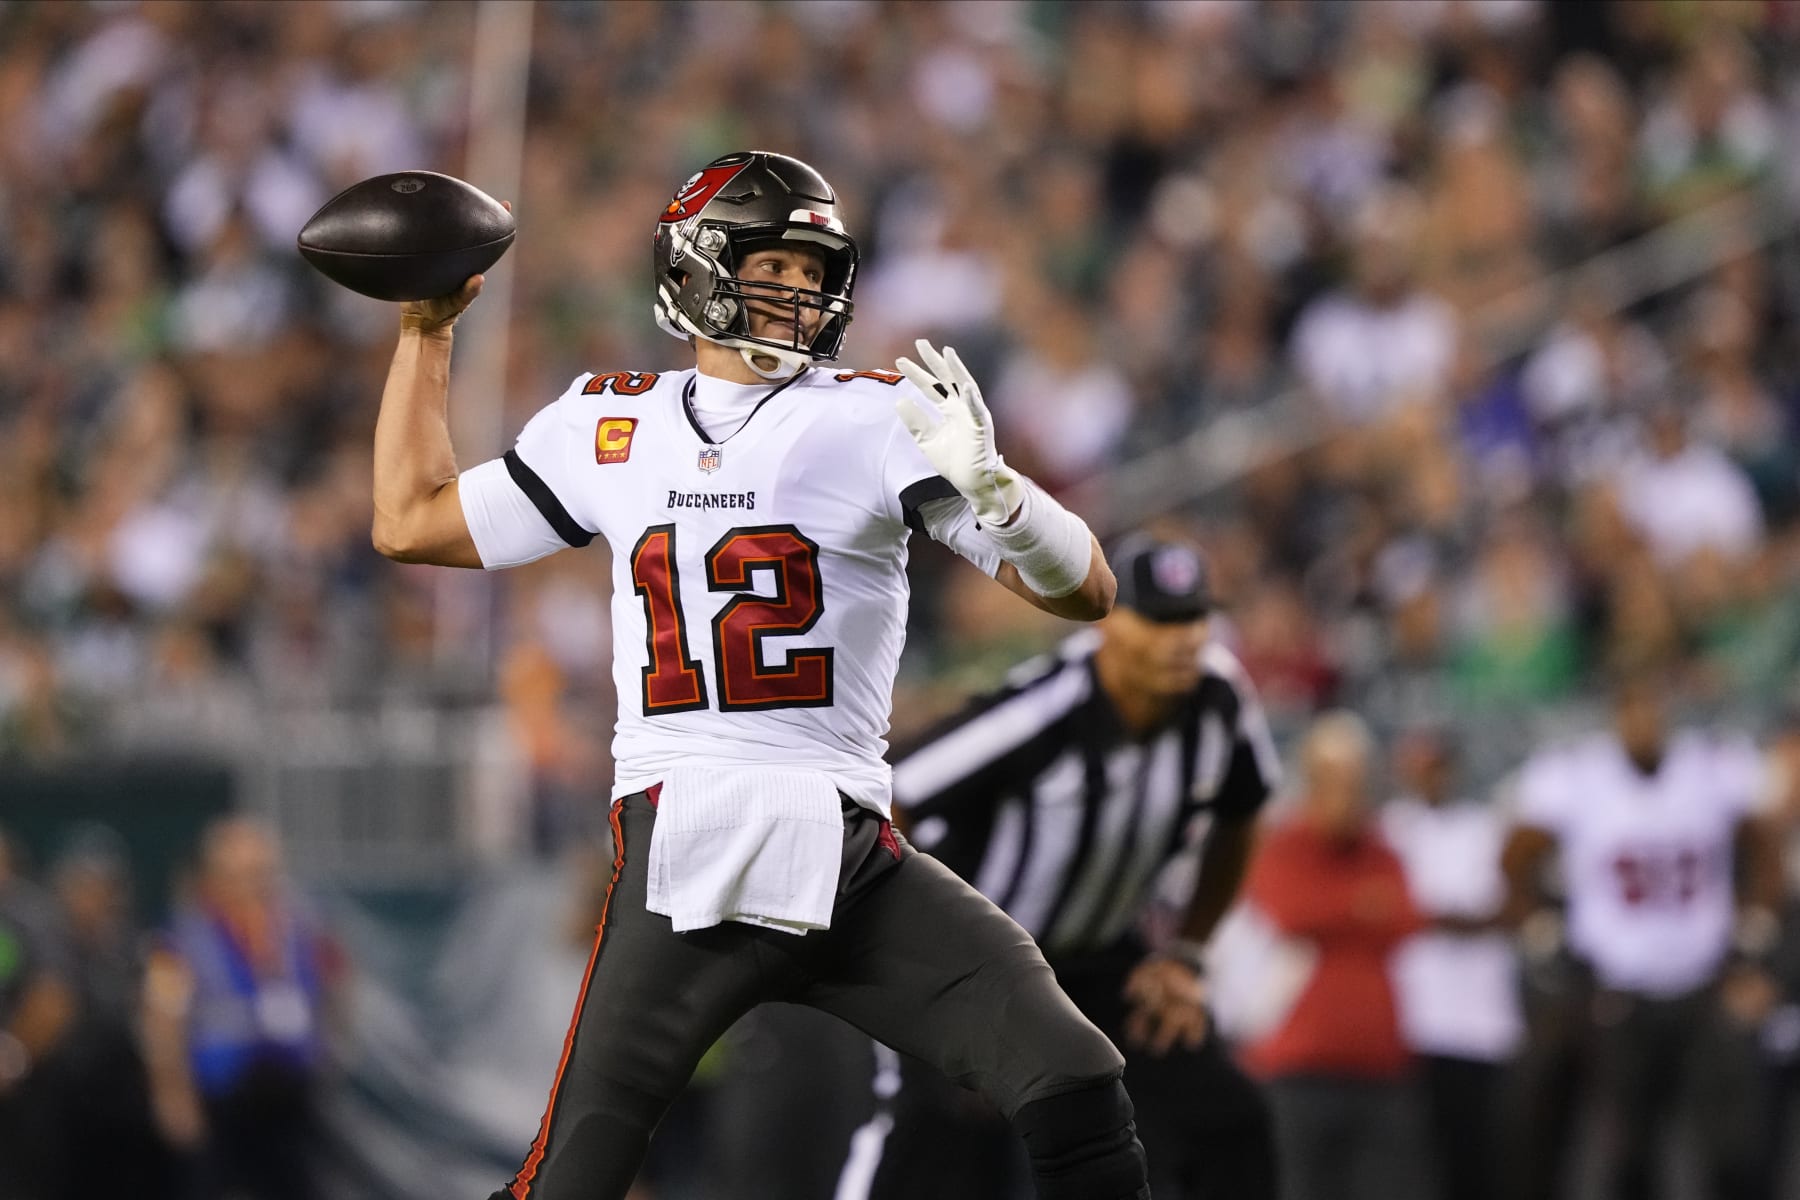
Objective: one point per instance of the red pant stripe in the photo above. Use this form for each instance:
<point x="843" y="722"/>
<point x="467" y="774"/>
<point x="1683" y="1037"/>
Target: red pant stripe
<point x="521" y="1184"/>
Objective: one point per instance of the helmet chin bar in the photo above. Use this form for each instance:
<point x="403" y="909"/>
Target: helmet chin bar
<point x="729" y="307"/>
<point x="789" y="362"/>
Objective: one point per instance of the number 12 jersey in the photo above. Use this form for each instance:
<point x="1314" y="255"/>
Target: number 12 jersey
<point x="759" y="570"/>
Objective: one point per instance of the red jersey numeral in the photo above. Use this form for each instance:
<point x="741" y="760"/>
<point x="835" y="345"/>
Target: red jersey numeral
<point x="1668" y="878"/>
<point x="890" y="378"/>
<point x="620" y="383"/>
<point x="674" y="681"/>
<point x="803" y="680"/>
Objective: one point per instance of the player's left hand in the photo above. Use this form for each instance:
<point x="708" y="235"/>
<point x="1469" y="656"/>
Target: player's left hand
<point x="1168" y="1006"/>
<point x="957" y="434"/>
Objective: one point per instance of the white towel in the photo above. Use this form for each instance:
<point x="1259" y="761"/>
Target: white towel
<point x="757" y="845"/>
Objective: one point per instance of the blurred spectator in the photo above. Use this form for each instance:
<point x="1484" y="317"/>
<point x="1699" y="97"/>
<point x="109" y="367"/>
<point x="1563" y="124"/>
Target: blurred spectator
<point x="37" y="1009"/>
<point x="561" y="756"/>
<point x="1479" y="216"/>
<point x="1068" y="405"/>
<point x="1283" y="651"/>
<point x="1583" y="381"/>
<point x="1347" y="1118"/>
<point x="1662" y="858"/>
<point x="1781" y="1033"/>
<point x="237" y="1005"/>
<point x="1586" y="176"/>
<point x="1385" y="343"/>
<point x="1734" y="408"/>
<point x="1128" y="208"/>
<point x="1515" y="640"/>
<point x="1406" y="682"/>
<point x="101" y="1078"/>
<point x="1713" y="131"/>
<point x="1686" y="498"/>
<point x="1457" y="983"/>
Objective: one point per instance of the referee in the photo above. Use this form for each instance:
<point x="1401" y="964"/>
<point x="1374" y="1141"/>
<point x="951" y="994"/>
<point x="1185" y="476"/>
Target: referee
<point x="1063" y="797"/>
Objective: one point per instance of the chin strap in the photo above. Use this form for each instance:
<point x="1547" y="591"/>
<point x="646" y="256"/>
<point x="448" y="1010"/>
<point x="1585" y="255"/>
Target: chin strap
<point x="788" y="363"/>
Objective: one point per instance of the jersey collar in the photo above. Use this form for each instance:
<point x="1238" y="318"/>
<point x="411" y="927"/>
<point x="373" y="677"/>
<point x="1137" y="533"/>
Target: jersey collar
<point x="687" y="406"/>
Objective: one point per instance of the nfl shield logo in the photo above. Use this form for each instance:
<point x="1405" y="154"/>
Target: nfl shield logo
<point x="709" y="459"/>
<point x="1175" y="570"/>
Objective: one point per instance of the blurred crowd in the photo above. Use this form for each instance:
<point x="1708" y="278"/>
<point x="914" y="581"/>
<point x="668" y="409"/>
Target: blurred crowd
<point x="178" y="1062"/>
<point x="1133" y="218"/>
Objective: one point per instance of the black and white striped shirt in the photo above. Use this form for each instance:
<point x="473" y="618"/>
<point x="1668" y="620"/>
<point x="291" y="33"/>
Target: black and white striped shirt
<point x="1040" y="797"/>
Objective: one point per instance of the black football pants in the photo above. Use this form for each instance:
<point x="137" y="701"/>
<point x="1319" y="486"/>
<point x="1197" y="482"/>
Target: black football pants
<point x="914" y="957"/>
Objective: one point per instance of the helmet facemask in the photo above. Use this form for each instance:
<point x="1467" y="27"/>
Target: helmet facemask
<point x="704" y="296"/>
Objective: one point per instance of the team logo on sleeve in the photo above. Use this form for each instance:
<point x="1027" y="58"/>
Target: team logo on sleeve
<point x="612" y="439"/>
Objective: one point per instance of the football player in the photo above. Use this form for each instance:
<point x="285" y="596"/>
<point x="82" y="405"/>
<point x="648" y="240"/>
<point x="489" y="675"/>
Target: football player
<point x="1672" y="880"/>
<point x="758" y="508"/>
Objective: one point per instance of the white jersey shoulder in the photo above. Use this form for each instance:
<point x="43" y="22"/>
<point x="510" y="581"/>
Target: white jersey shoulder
<point x="1560" y="786"/>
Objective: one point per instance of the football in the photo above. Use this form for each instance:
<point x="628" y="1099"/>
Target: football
<point x="413" y="235"/>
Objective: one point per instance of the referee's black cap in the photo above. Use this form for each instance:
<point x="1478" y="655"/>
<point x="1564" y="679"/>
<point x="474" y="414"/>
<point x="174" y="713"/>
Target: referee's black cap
<point x="1162" y="581"/>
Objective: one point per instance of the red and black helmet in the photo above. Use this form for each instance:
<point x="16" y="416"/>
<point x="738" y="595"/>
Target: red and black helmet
<point x="732" y="207"/>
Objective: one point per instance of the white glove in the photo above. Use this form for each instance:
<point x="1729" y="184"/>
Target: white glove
<point x="957" y="435"/>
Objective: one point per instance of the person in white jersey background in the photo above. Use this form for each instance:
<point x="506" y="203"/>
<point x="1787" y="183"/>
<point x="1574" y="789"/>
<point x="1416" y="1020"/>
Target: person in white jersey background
<point x="758" y="509"/>
<point x="1671" y="887"/>
<point x="1457" y="983"/>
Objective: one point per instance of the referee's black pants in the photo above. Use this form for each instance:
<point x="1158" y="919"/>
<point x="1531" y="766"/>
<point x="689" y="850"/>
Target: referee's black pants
<point x="1207" y="1129"/>
<point x="914" y="957"/>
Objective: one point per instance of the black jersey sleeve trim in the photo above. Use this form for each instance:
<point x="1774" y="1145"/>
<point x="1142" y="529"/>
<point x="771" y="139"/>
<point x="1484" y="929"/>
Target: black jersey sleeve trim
<point x="540" y="495"/>
<point x="922" y="492"/>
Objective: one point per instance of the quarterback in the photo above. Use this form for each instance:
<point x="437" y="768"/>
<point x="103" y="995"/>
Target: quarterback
<point x="758" y="508"/>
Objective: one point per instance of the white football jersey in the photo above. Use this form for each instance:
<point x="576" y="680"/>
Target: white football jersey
<point x="759" y="575"/>
<point x="1458" y="994"/>
<point x="1647" y="861"/>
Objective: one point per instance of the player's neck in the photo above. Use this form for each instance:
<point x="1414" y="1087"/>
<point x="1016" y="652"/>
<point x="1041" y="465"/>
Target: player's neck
<point x="1141" y="711"/>
<point x="727" y="363"/>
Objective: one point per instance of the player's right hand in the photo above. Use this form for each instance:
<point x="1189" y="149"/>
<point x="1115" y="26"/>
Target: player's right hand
<point x="439" y="313"/>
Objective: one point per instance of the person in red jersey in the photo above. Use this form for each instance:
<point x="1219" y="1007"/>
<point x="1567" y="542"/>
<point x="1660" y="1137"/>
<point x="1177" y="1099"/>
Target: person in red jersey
<point x="1337" y="1070"/>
